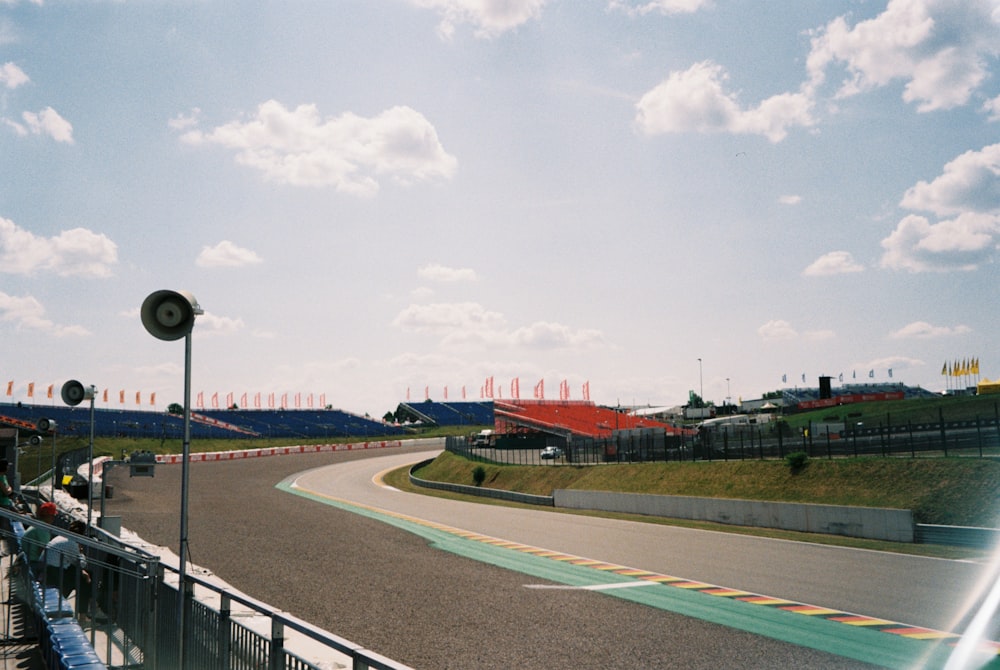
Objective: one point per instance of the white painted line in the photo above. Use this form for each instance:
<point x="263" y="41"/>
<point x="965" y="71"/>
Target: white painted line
<point x="594" y="587"/>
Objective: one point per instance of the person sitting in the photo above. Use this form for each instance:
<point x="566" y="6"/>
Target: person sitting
<point x="35" y="539"/>
<point x="66" y="566"/>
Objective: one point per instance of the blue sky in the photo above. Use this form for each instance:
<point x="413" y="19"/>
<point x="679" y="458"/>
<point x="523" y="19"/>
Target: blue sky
<point x="379" y="197"/>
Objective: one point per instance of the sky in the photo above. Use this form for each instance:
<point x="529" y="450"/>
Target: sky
<point x="382" y="200"/>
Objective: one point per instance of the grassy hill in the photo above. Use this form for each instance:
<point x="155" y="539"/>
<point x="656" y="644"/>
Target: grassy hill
<point x="952" y="491"/>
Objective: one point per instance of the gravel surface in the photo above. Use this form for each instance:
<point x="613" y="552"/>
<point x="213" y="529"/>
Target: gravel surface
<point x="385" y="589"/>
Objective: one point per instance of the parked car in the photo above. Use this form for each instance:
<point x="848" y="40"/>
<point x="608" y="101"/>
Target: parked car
<point x="551" y="452"/>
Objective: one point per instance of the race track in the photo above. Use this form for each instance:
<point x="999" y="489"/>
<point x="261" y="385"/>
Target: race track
<point x="388" y="589"/>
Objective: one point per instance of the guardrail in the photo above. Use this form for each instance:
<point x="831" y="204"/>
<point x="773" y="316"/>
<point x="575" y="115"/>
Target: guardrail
<point x="497" y="494"/>
<point x="957" y="536"/>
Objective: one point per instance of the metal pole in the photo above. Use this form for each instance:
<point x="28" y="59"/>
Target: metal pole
<point x="185" y="458"/>
<point x="90" y="462"/>
<point x="52" y="490"/>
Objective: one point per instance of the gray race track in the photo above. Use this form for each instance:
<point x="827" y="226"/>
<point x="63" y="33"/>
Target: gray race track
<point x="387" y="590"/>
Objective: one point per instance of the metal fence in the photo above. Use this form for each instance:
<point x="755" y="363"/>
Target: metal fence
<point x="979" y="437"/>
<point x="136" y="604"/>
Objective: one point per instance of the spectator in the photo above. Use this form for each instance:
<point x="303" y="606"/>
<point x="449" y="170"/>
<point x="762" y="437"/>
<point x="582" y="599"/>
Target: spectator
<point x="66" y="566"/>
<point x="7" y="502"/>
<point x="35" y="539"/>
<point x="6" y="492"/>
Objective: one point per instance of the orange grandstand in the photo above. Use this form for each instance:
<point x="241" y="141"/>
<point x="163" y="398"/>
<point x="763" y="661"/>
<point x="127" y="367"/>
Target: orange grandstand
<point x="569" y="418"/>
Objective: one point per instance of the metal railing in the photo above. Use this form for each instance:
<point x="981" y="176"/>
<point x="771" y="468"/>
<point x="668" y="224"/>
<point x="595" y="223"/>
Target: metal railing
<point x="136" y="600"/>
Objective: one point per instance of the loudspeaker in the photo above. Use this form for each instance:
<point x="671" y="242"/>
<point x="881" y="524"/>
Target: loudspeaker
<point x="169" y="315"/>
<point x="35" y="441"/>
<point x="46" y="425"/>
<point x="73" y="392"/>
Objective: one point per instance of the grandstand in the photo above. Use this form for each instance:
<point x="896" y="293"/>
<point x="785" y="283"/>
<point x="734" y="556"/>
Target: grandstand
<point x="431" y="413"/>
<point x="220" y="424"/>
<point x="792" y="399"/>
<point x="569" y="418"/>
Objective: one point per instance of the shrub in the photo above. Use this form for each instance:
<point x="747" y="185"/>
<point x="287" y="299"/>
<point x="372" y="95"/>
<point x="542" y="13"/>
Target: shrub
<point x="797" y="460"/>
<point x="479" y="475"/>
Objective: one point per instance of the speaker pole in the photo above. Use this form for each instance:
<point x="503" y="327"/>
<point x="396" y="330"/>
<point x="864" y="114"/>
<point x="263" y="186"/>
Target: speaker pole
<point x="90" y="466"/>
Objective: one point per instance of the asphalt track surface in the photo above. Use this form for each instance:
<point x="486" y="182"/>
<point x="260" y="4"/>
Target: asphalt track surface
<point x="391" y="591"/>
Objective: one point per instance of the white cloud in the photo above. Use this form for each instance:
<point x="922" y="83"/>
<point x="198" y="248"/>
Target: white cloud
<point x="833" y="263"/>
<point x="790" y="199"/>
<point x="226" y="254"/>
<point x="963" y="243"/>
<point x="488" y="18"/>
<point x="76" y="252"/>
<point x="470" y="325"/>
<point x="448" y="317"/>
<point x="441" y="273"/>
<point x="940" y="48"/>
<point x="659" y="6"/>
<point x="777" y="330"/>
<point x="48" y="122"/>
<point x="970" y="182"/>
<point x="968" y="190"/>
<point x="27" y="312"/>
<point x="992" y="109"/>
<point x="695" y="101"/>
<point x="217" y="325"/>
<point x="11" y="76"/>
<point x="348" y="152"/>
<point x="923" y="330"/>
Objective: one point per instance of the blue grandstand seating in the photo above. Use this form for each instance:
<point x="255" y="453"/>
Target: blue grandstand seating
<point x="458" y="413"/>
<point x="75" y="421"/>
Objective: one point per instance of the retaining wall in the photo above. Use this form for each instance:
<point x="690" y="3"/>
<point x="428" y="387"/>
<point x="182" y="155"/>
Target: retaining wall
<point x="874" y="523"/>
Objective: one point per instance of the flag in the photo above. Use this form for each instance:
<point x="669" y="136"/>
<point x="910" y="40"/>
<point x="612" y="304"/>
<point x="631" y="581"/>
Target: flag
<point x="270" y="401"/>
<point x="890" y="373"/>
<point x="256" y="400"/>
<point x="243" y="399"/>
<point x="138" y="400"/>
<point x="463" y="392"/>
<point x="322" y="400"/>
<point x="229" y="400"/>
<point x="121" y="397"/>
<point x="586" y="390"/>
<point x="215" y="400"/>
<point x="105" y="395"/>
<point x="784" y="379"/>
<point x="200" y="399"/>
<point x="871" y="373"/>
<point x="10" y="388"/>
<point x="445" y="392"/>
<point x="152" y="398"/>
<point x="841" y="378"/>
<point x="49" y="393"/>
<point x="298" y="400"/>
<point x="309" y="400"/>
<point x="284" y="400"/>
<point x="31" y="389"/>
<point x="944" y="368"/>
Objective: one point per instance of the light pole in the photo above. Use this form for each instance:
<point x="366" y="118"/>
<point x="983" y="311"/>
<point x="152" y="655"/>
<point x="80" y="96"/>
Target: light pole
<point x="169" y="315"/>
<point x="701" y="384"/>
<point x="49" y="426"/>
<point x="73" y="393"/>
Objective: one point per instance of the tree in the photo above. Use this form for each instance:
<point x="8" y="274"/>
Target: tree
<point x="175" y="408"/>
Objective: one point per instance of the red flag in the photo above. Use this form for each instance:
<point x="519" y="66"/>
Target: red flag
<point x="31" y="389"/>
<point x="243" y="400"/>
<point x="152" y="398"/>
<point x="215" y="400"/>
<point x="201" y="399"/>
<point x="256" y="400"/>
<point x="105" y="395"/>
<point x="49" y="394"/>
<point x="10" y="388"/>
<point x="121" y="397"/>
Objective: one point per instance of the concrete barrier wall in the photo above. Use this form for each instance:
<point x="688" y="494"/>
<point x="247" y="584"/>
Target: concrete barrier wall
<point x="874" y="523"/>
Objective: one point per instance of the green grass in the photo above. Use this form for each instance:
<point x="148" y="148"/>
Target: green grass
<point x="951" y="491"/>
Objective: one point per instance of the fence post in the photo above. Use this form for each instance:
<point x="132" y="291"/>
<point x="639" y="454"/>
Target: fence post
<point x="944" y="439"/>
<point x="225" y="631"/>
<point x="277" y="644"/>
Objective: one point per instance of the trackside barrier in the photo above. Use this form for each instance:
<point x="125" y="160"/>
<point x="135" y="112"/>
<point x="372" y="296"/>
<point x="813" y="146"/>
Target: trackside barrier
<point x="957" y="536"/>
<point x="497" y="494"/>
<point x="276" y="451"/>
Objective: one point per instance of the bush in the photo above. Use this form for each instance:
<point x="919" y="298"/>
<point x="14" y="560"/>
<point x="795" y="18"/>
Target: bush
<point x="479" y="475"/>
<point x="797" y="460"/>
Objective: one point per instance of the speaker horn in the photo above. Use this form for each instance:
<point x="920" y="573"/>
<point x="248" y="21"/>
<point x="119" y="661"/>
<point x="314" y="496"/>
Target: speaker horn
<point x="73" y="392"/>
<point x="169" y="315"/>
<point x="45" y="425"/>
